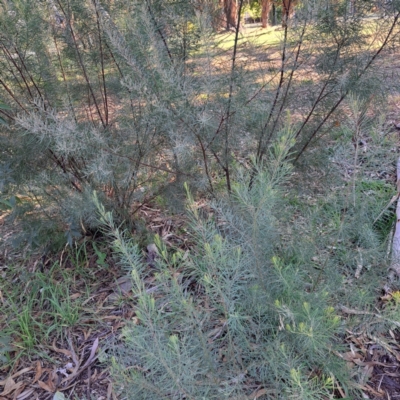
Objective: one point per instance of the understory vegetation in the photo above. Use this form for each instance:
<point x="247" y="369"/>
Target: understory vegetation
<point x="201" y="214"/>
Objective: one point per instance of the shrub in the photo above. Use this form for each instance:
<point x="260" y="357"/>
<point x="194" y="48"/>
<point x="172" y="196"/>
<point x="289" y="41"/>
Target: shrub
<point x="131" y="99"/>
<point x="244" y="314"/>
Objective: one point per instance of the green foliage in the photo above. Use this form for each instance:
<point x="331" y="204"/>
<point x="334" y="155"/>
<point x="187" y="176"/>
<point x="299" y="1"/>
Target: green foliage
<point x="250" y="320"/>
<point x="3" y="107"/>
<point x="129" y="100"/>
<point x="39" y="307"/>
<point x="252" y="9"/>
<point x="5" y="347"/>
<point x="132" y="98"/>
<point x="254" y="305"/>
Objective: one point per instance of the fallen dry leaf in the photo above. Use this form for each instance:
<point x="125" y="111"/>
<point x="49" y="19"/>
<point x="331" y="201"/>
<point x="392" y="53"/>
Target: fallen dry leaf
<point x="109" y="391"/>
<point x="46" y="387"/>
<point x="10" y="386"/>
<point x="78" y="368"/>
<point x="366" y="373"/>
<point x="52" y="380"/>
<point x="19" y="390"/>
<point x="26" y="394"/>
<point x="92" y="353"/>
<point x="62" y="351"/>
<point x="2" y="383"/>
<point x="373" y="391"/>
<point x="86" y="334"/>
<point x="258" y="393"/>
<point x="39" y="372"/>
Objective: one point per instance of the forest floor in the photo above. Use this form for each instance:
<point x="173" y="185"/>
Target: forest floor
<point x="58" y="312"/>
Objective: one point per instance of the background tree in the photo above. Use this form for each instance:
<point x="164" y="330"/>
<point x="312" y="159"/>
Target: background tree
<point x="286" y="8"/>
<point x="265" y="10"/>
<point x="231" y="9"/>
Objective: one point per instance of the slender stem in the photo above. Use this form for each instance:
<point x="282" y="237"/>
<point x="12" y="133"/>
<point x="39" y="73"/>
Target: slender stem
<point x="64" y="77"/>
<point x="320" y="97"/>
<point x="67" y="17"/>
<point x="159" y="31"/>
<point x="344" y="95"/>
<point x="228" y="111"/>
<point x="61" y="164"/>
<point x="220" y="126"/>
<point x="12" y="94"/>
<point x="277" y="93"/>
<point x="203" y="151"/>
<point x="120" y="73"/>
<point x="27" y="71"/>
<point x="288" y="86"/>
<point x="6" y="114"/>
<point x="11" y="69"/>
<point x="102" y="67"/>
<point x="10" y="57"/>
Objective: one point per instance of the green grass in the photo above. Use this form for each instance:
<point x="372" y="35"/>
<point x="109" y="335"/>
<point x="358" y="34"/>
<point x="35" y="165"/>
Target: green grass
<point x="272" y="35"/>
<point x="39" y="306"/>
<point x="45" y="307"/>
<point x="254" y="35"/>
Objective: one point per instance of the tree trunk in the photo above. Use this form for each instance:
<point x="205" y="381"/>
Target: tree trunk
<point x="265" y="6"/>
<point x="230" y="8"/>
<point x="287" y="11"/>
<point x="273" y="22"/>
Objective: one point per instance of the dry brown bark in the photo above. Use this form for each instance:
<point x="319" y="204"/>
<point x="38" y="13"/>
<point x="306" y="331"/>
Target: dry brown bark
<point x="265" y="7"/>
<point x="287" y="10"/>
<point x="230" y="9"/>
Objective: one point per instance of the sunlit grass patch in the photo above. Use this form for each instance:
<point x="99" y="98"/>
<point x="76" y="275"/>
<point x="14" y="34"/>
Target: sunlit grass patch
<point x="255" y="36"/>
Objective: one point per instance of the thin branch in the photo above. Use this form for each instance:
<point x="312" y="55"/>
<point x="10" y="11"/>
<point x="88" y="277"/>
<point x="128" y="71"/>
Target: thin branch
<point x="102" y="66"/>
<point x="64" y="77"/>
<point x="159" y="31"/>
<point x="344" y="95"/>
<point x="10" y="57"/>
<point x="67" y="17"/>
<point x="232" y="79"/>
<point x="12" y="94"/>
<point x="288" y="86"/>
<point x="277" y="93"/>
<point x="219" y="129"/>
<point x="6" y="114"/>
<point x="146" y="165"/>
<point x="27" y="71"/>
<point x="61" y="164"/>
<point x="203" y="151"/>
<point x="11" y="69"/>
<point x="320" y="97"/>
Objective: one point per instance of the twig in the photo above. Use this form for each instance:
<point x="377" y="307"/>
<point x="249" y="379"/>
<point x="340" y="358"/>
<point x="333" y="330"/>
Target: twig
<point x="232" y="78"/>
<point x="159" y="31"/>
<point x="344" y="95"/>
<point x="105" y="98"/>
<point x="78" y="53"/>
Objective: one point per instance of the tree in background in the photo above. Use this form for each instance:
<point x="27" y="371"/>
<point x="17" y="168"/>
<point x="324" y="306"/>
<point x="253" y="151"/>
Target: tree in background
<point x="231" y="9"/>
<point x="286" y="7"/>
<point x="265" y="9"/>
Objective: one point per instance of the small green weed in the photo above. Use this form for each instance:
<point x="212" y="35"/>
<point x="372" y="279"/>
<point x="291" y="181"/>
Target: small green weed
<point x="101" y="256"/>
<point x="5" y="347"/>
<point x="48" y="303"/>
